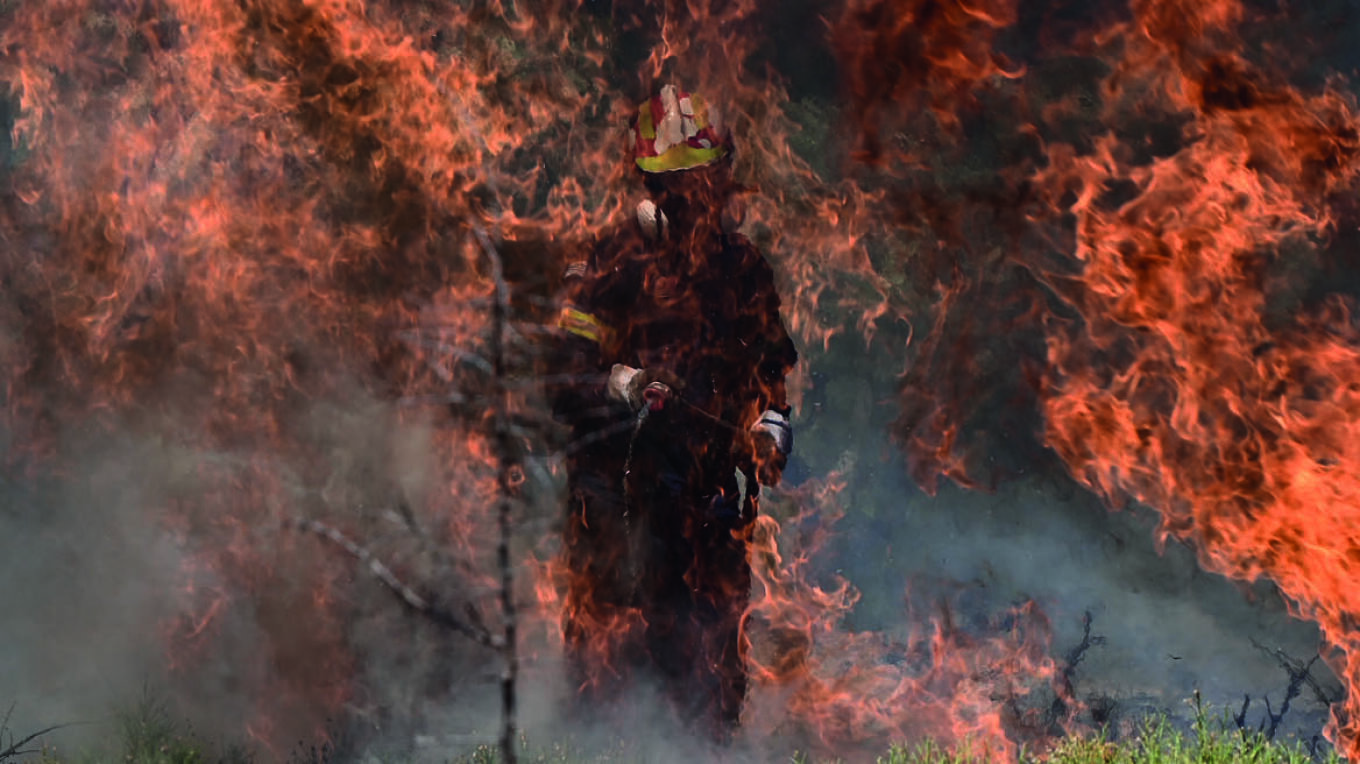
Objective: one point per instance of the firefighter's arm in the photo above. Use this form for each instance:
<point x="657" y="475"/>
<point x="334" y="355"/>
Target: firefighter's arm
<point x="772" y="430"/>
<point x="577" y="375"/>
<point x="591" y="334"/>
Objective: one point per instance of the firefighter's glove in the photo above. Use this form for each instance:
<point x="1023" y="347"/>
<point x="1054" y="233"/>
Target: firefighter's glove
<point x="652" y="388"/>
<point x="773" y="438"/>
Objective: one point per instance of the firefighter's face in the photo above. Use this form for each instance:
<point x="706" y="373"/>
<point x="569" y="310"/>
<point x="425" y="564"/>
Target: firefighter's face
<point x="708" y="181"/>
<point x="692" y="195"/>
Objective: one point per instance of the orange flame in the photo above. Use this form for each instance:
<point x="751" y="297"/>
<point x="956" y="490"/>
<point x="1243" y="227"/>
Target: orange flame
<point x="902" y="56"/>
<point x="1182" y="386"/>
<point x="231" y="216"/>
<point x="936" y="680"/>
<point x="227" y="217"/>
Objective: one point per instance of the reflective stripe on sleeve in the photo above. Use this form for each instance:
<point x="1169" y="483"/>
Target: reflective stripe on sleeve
<point x="581" y="324"/>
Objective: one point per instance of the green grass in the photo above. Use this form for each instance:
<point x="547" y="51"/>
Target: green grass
<point x="1157" y="742"/>
<point x="1160" y="743"/>
<point x="148" y="734"/>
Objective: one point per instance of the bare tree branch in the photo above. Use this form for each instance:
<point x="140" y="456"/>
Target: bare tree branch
<point x="1300" y="673"/>
<point x="16" y="748"/>
<point x="505" y="448"/>
<point x="1065" y="693"/>
<point x="409" y="597"/>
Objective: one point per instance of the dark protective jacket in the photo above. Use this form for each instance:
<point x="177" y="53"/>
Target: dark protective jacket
<point x="653" y="538"/>
<point x="710" y="318"/>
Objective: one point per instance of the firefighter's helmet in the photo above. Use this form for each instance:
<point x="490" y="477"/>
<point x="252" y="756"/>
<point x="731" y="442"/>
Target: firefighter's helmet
<point x="675" y="130"/>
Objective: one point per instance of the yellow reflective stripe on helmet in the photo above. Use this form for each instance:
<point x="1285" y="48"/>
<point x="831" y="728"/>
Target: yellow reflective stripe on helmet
<point x="581" y="324"/>
<point x="645" y="127"/>
<point x="681" y="156"/>
<point x="700" y="109"/>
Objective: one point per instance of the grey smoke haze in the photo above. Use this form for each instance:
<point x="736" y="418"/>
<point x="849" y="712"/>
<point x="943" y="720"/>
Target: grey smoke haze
<point x="107" y="546"/>
<point x="91" y="576"/>
<point x="1168" y="627"/>
<point x="94" y="571"/>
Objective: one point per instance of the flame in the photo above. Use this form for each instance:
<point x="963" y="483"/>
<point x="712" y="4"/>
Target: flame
<point x="229" y="222"/>
<point x="233" y="220"/>
<point x="936" y="679"/>
<point x="1181" y="385"/>
<point x="906" y="56"/>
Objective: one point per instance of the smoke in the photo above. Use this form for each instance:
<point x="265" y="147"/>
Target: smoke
<point x="89" y="580"/>
<point x="1166" y="628"/>
<point x="205" y="349"/>
<point x="98" y="571"/>
<point x="112" y="593"/>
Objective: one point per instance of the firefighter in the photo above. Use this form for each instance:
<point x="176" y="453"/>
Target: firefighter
<point x="672" y="359"/>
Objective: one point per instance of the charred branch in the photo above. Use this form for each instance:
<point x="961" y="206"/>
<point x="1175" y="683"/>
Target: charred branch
<point x="469" y="625"/>
<point x="507" y="469"/>
<point x="15" y="748"/>
<point x="1078" y="652"/>
<point x="1066" y="690"/>
<point x="1300" y="674"/>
